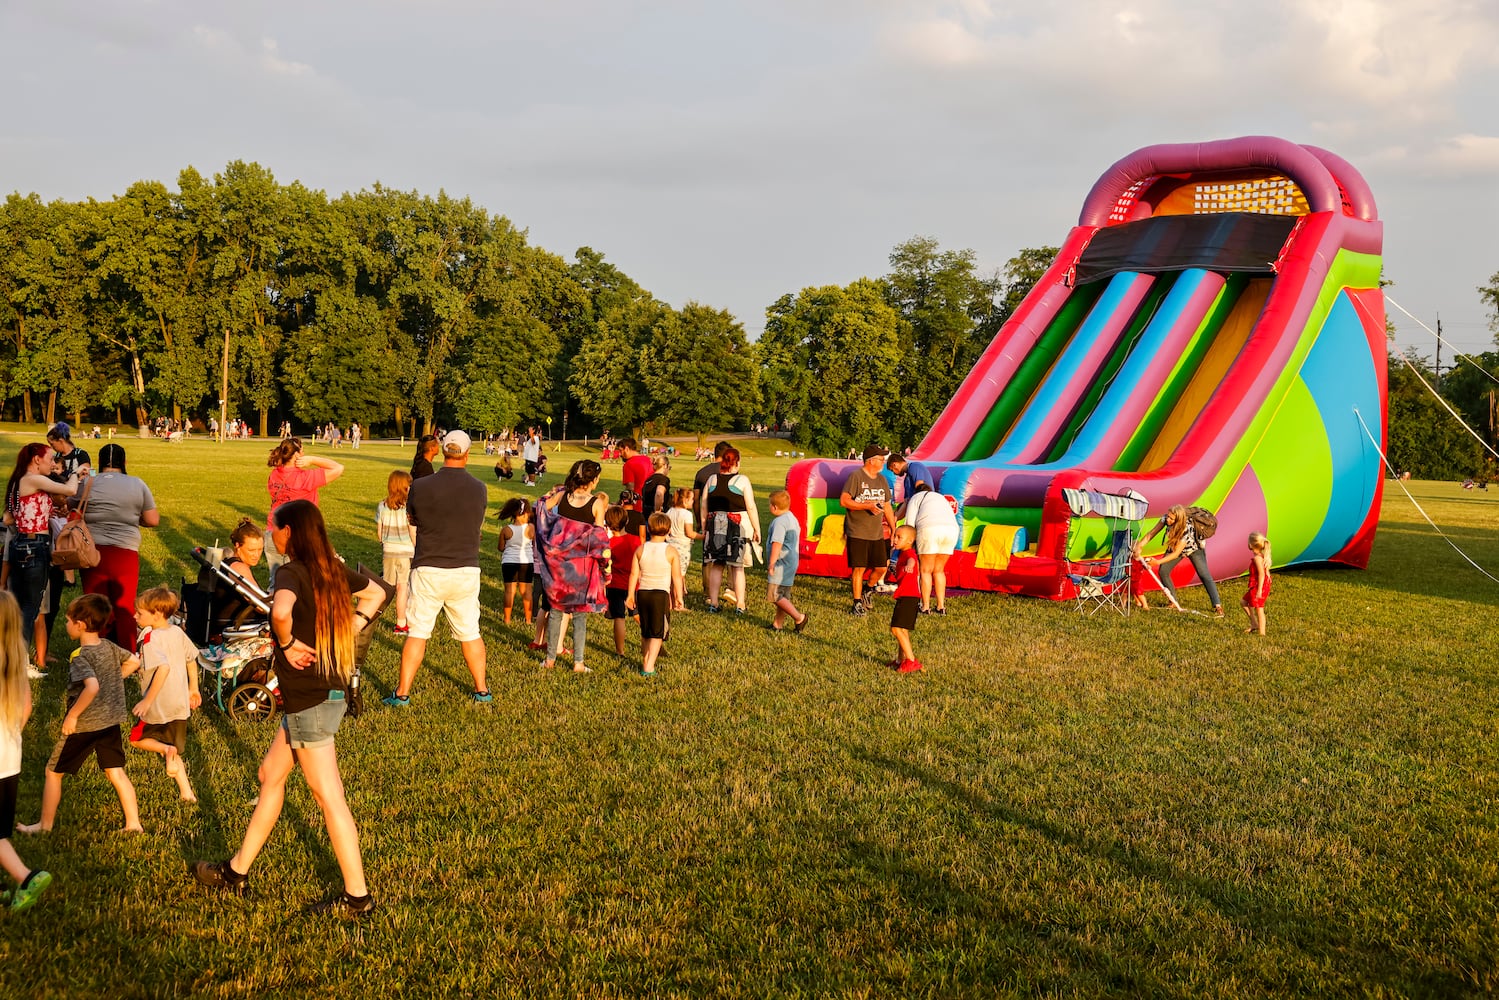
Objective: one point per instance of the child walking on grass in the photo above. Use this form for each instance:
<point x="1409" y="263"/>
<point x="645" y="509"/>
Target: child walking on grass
<point x="96" y="707"/>
<point x="169" y="685"/>
<point x="1259" y="582"/>
<point x="781" y="553"/>
<point x="682" y="533"/>
<point x="655" y="590"/>
<point x="15" y="710"/>
<point x="397" y="540"/>
<point x="907" y="599"/>
<point x="623" y="544"/>
<point x="517" y="555"/>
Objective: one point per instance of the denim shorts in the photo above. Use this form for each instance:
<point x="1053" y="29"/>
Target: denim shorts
<point x="316" y="726"/>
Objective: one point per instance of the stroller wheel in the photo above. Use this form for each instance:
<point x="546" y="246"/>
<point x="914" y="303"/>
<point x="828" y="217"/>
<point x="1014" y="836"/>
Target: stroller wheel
<point x="251" y="702"/>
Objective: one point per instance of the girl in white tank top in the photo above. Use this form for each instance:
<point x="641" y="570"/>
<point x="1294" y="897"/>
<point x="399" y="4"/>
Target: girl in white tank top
<point x="517" y="554"/>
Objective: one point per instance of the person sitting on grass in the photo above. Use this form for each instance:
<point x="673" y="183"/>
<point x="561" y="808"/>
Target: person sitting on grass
<point x="907" y="599"/>
<point x="169" y="685"/>
<point x="96" y="707"/>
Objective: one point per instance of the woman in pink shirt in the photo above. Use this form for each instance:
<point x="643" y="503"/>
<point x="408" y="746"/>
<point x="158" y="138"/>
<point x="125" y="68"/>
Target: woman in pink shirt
<point x="295" y="475"/>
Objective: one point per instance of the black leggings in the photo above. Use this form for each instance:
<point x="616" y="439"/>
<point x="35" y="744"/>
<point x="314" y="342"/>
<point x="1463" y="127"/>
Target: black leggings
<point x="1199" y="561"/>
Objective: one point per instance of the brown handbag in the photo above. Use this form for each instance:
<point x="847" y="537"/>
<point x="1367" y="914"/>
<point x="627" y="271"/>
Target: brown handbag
<point x="74" y="547"/>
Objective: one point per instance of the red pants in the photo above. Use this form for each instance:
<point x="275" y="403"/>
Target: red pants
<point x="116" y="577"/>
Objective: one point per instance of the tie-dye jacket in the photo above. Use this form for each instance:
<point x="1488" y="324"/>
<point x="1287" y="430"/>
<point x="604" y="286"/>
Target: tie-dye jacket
<point x="570" y="559"/>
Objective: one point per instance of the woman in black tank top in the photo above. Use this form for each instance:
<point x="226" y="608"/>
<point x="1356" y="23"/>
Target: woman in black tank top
<point x="575" y="501"/>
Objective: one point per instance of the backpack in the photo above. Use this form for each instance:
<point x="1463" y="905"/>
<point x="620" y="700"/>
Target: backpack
<point x="1204" y="523"/>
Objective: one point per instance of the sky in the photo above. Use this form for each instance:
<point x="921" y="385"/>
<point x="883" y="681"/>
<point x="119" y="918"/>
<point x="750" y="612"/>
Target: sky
<point x="730" y="152"/>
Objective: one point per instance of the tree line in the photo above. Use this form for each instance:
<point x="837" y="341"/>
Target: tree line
<point x="402" y="310"/>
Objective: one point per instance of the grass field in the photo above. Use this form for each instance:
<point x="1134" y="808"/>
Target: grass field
<point x="1059" y="806"/>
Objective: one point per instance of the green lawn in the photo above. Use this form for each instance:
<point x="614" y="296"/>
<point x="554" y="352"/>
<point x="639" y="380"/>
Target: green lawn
<point x="1060" y="806"/>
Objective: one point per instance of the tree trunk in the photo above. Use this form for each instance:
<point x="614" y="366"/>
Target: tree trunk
<point x="51" y="407"/>
<point x="139" y="378"/>
<point x="264" y="418"/>
<point x="26" y="411"/>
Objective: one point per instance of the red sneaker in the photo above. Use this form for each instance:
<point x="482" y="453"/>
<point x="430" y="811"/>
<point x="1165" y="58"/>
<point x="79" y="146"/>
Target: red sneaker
<point x="909" y="667"/>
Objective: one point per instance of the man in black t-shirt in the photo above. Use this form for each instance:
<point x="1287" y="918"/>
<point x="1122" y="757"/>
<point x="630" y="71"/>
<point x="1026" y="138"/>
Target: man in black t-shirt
<point x="447" y="510"/>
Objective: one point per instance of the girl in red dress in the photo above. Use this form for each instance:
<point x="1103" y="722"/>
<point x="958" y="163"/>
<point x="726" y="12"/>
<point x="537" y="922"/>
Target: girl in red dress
<point x="1259" y="582"/>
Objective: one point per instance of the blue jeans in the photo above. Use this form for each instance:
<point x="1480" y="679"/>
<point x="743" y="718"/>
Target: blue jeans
<point x="1199" y="561"/>
<point x="30" y="562"/>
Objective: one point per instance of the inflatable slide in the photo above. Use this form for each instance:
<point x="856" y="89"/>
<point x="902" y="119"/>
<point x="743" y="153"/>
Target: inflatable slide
<point x="1212" y="334"/>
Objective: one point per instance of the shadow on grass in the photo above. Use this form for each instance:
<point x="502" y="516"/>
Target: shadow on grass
<point x="1370" y="964"/>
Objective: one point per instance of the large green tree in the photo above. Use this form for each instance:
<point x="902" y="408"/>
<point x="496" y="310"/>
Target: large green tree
<point x="833" y="364"/>
<point x="698" y="371"/>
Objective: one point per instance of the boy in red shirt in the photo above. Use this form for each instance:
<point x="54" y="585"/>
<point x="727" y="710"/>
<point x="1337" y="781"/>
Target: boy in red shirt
<point x="622" y="546"/>
<point x="907" y="598"/>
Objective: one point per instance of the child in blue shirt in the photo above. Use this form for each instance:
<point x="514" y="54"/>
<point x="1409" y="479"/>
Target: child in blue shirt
<point x="781" y="553"/>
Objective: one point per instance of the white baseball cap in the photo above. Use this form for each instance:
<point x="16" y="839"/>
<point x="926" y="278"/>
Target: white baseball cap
<point x="456" y="443"/>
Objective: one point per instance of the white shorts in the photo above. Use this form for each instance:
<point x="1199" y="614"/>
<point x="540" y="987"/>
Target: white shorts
<point x="452" y="590"/>
<point x="937" y="541"/>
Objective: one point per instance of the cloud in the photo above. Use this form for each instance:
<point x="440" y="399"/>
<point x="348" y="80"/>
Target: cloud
<point x="265" y="58"/>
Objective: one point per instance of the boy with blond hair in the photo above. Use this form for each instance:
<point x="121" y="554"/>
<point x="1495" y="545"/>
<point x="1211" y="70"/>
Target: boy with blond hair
<point x="169" y="685"/>
<point x="782" y="550"/>
<point x="907" y="599"/>
<point x="96" y="707"/>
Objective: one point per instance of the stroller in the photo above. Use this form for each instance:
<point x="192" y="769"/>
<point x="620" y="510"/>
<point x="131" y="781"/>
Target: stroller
<point x="229" y="619"/>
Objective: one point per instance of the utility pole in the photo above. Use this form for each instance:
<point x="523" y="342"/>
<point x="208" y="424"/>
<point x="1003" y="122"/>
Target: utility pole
<point x="1439" y="352"/>
<point x="224" y="393"/>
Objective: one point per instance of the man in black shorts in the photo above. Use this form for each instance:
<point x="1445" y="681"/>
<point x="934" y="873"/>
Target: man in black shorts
<point x="867" y="510"/>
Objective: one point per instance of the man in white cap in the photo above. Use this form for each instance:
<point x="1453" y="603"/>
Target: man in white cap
<point x="447" y="509"/>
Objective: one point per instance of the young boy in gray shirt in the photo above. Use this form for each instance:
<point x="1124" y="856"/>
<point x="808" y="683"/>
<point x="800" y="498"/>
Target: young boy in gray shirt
<point x="96" y="707"/>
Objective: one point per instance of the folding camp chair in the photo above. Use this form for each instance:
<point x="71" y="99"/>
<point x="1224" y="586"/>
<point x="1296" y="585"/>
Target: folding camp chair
<point x="1112" y="589"/>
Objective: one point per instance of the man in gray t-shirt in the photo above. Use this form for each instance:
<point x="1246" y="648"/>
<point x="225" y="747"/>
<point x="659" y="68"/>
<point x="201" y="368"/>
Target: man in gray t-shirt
<point x="447" y="510"/>
<point x="868" y="510"/>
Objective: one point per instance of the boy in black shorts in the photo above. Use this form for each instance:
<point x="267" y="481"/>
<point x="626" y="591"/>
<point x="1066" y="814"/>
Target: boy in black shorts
<point x="907" y="599"/>
<point x="96" y="707"/>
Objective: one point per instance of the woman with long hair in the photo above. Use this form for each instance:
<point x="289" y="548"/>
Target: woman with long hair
<point x="119" y="505"/>
<point x="572" y="556"/>
<point x="295" y="475"/>
<point x="427" y="448"/>
<point x="28" y="510"/>
<point x="313" y="623"/>
<point x="1181" y="543"/>
<point x="397" y="539"/>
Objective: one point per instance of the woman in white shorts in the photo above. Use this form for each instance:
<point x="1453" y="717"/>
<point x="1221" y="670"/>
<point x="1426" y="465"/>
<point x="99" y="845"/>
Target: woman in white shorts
<point x="936" y="537"/>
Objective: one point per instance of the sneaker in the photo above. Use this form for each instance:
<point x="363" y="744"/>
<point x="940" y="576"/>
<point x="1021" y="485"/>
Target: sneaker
<point x="884" y="588"/>
<point x="346" y="906"/>
<point x="802" y="624"/>
<point x="401" y="630"/>
<point x="30" y="891"/>
<point x="940" y="611"/>
<point x="34" y="674"/>
<point x="909" y="667"/>
<point x="859" y="608"/>
<point x="482" y="697"/>
<point x="869" y="602"/>
<point x="713" y="609"/>
<point x="218" y="875"/>
<point x="397" y="700"/>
